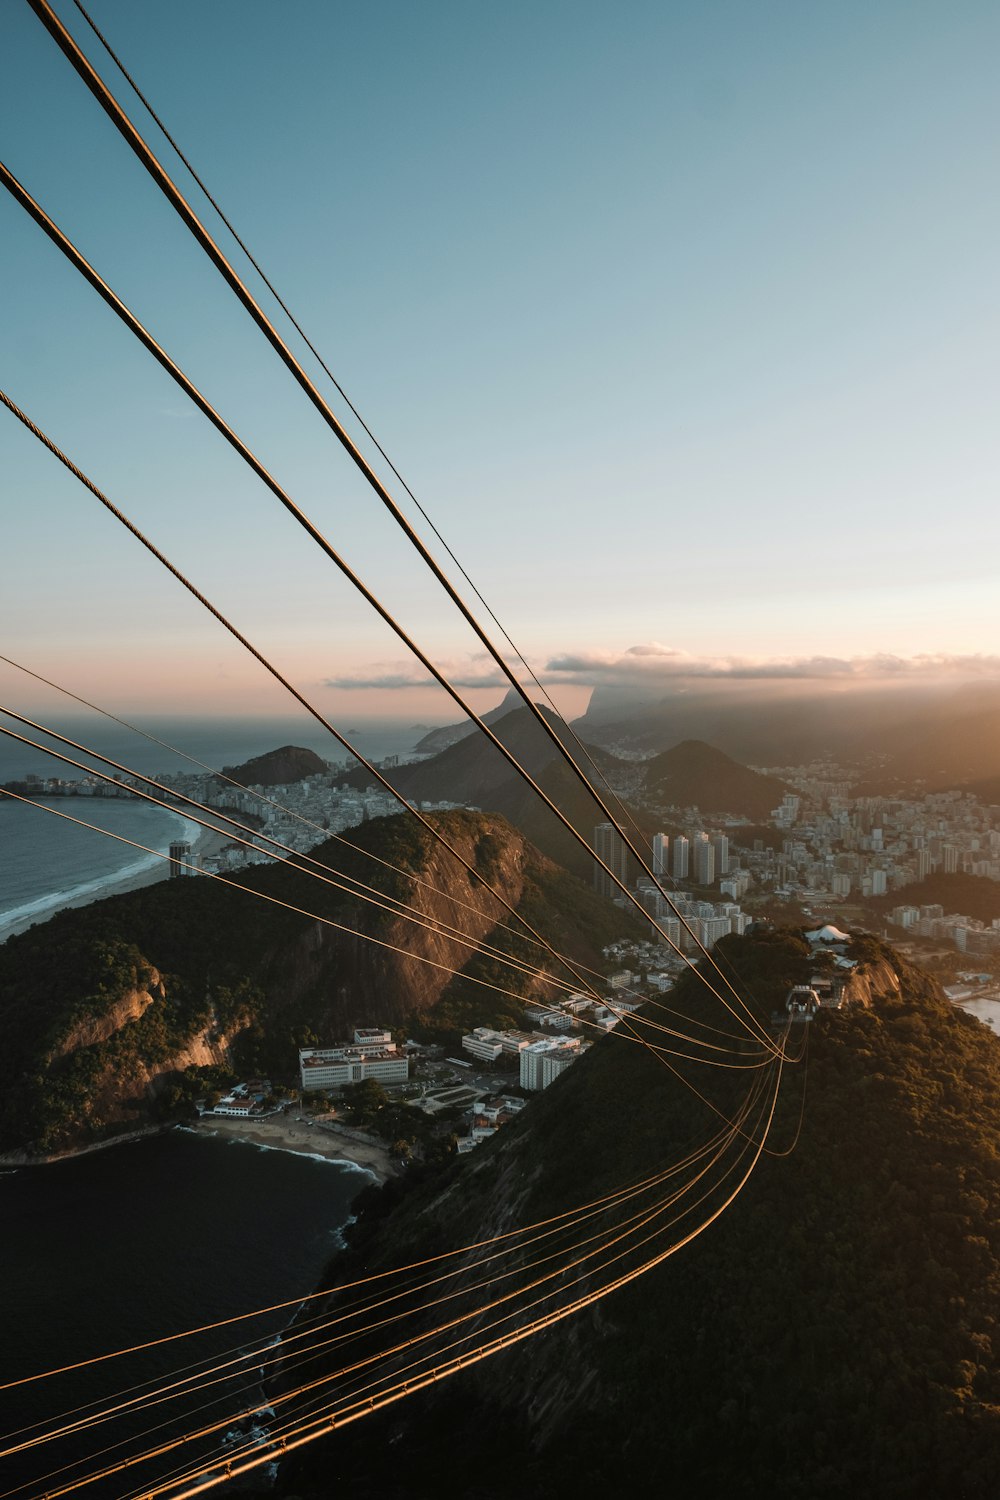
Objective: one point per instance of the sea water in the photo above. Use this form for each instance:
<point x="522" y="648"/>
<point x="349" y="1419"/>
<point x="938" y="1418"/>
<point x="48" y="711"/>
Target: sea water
<point x="48" y="861"/>
<point x="136" y="1242"/>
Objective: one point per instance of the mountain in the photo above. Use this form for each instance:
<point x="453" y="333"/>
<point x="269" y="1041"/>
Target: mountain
<point x="449" y="734"/>
<point x="972" y="895"/>
<point x="278" y="767"/>
<point x="689" y="774"/>
<point x="693" y="774"/>
<point x="474" y="771"/>
<point x="942" y="736"/>
<point x="109" y="1011"/>
<point x="961" y="747"/>
<point x="830" y="1334"/>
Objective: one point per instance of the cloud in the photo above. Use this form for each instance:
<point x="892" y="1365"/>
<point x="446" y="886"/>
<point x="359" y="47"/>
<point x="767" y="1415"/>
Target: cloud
<point x="476" y="672"/>
<point x="653" y="663"/>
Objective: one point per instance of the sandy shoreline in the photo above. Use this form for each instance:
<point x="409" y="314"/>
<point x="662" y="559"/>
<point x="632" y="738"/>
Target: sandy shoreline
<point x="282" y="1133"/>
<point x="278" y="1133"/>
<point x="208" y="842"/>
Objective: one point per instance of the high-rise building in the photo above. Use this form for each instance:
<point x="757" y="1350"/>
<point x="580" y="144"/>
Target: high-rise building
<point x="720" y="843"/>
<point x="543" y="1061"/>
<point x="681" y="849"/>
<point x="704" y="860"/>
<point x="949" y="858"/>
<point x="610" y="847"/>
<point x="180" y="859"/>
<point x="661" y="853"/>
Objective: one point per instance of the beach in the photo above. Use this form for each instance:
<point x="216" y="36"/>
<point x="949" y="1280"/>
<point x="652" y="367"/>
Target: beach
<point x="285" y="1133"/>
<point x="207" y="842"/>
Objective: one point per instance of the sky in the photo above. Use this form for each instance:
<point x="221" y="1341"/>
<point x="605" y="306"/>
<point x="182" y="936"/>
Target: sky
<point x="679" y="319"/>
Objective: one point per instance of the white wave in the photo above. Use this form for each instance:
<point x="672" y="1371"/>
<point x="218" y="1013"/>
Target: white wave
<point x="54" y="900"/>
<point x="43" y="907"/>
<point x="335" y="1161"/>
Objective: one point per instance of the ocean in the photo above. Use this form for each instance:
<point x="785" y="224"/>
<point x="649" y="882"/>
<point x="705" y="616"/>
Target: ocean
<point x="47" y="863"/>
<point x="156" y="1236"/>
<point x="132" y="1243"/>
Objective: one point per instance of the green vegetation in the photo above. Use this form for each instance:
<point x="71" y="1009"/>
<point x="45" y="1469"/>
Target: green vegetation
<point x="972" y="895"/>
<point x="832" y="1335"/>
<point x="693" y="774"/>
<point x="278" y="767"/>
<point x="204" y="962"/>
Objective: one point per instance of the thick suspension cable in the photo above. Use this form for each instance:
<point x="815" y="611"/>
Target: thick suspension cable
<point x="70" y="251"/>
<point x="416" y="1380"/>
<point x="152" y="165"/>
<point x="353" y="932"/>
<point x="477" y="876"/>
<point x="624" y="810"/>
<point x="271" y="1352"/>
<point x="281" y="853"/>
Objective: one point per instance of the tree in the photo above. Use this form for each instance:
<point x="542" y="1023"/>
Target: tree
<point x="363" y="1101"/>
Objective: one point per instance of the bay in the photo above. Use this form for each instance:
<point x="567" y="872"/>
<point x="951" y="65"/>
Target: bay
<point x="139" y="1241"/>
<point x="47" y="862"/>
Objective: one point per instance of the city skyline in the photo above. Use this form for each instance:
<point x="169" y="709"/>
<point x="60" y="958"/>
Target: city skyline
<point x="680" y="323"/>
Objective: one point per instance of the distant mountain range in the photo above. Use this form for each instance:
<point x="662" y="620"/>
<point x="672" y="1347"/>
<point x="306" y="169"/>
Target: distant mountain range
<point x="944" y="738"/>
<point x="471" y="770"/>
<point x="436" y="740"/>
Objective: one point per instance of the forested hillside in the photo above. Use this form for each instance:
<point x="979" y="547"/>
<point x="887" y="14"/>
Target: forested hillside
<point x="108" y="1011"/>
<point x="832" y="1334"/>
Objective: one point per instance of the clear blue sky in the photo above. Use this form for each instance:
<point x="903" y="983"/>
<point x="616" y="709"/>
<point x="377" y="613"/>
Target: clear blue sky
<point x="680" y="319"/>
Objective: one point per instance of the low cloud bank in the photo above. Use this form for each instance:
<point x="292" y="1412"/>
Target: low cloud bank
<point x="652" y="663"/>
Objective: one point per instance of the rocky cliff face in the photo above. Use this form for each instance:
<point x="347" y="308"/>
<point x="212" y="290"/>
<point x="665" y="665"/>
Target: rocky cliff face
<point x="92" y="1030"/>
<point x="108" y="1006"/>
<point x="883" y="978"/>
<point x="349" y="980"/>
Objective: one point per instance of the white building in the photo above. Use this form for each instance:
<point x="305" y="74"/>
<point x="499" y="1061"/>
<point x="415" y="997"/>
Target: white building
<point x="372" y="1036"/>
<point x="333" y="1067"/>
<point x="680" y="857"/>
<point x="704" y="860"/>
<point x="542" y="1062"/>
<point x="487" y="1045"/>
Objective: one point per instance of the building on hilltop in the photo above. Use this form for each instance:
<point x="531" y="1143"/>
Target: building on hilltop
<point x="372" y="1036"/>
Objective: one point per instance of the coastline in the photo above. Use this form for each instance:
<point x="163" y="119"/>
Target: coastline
<point x="207" y="842"/>
<point x="275" y="1133"/>
<point x="280" y="1133"/>
<point x="25" y="1158"/>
